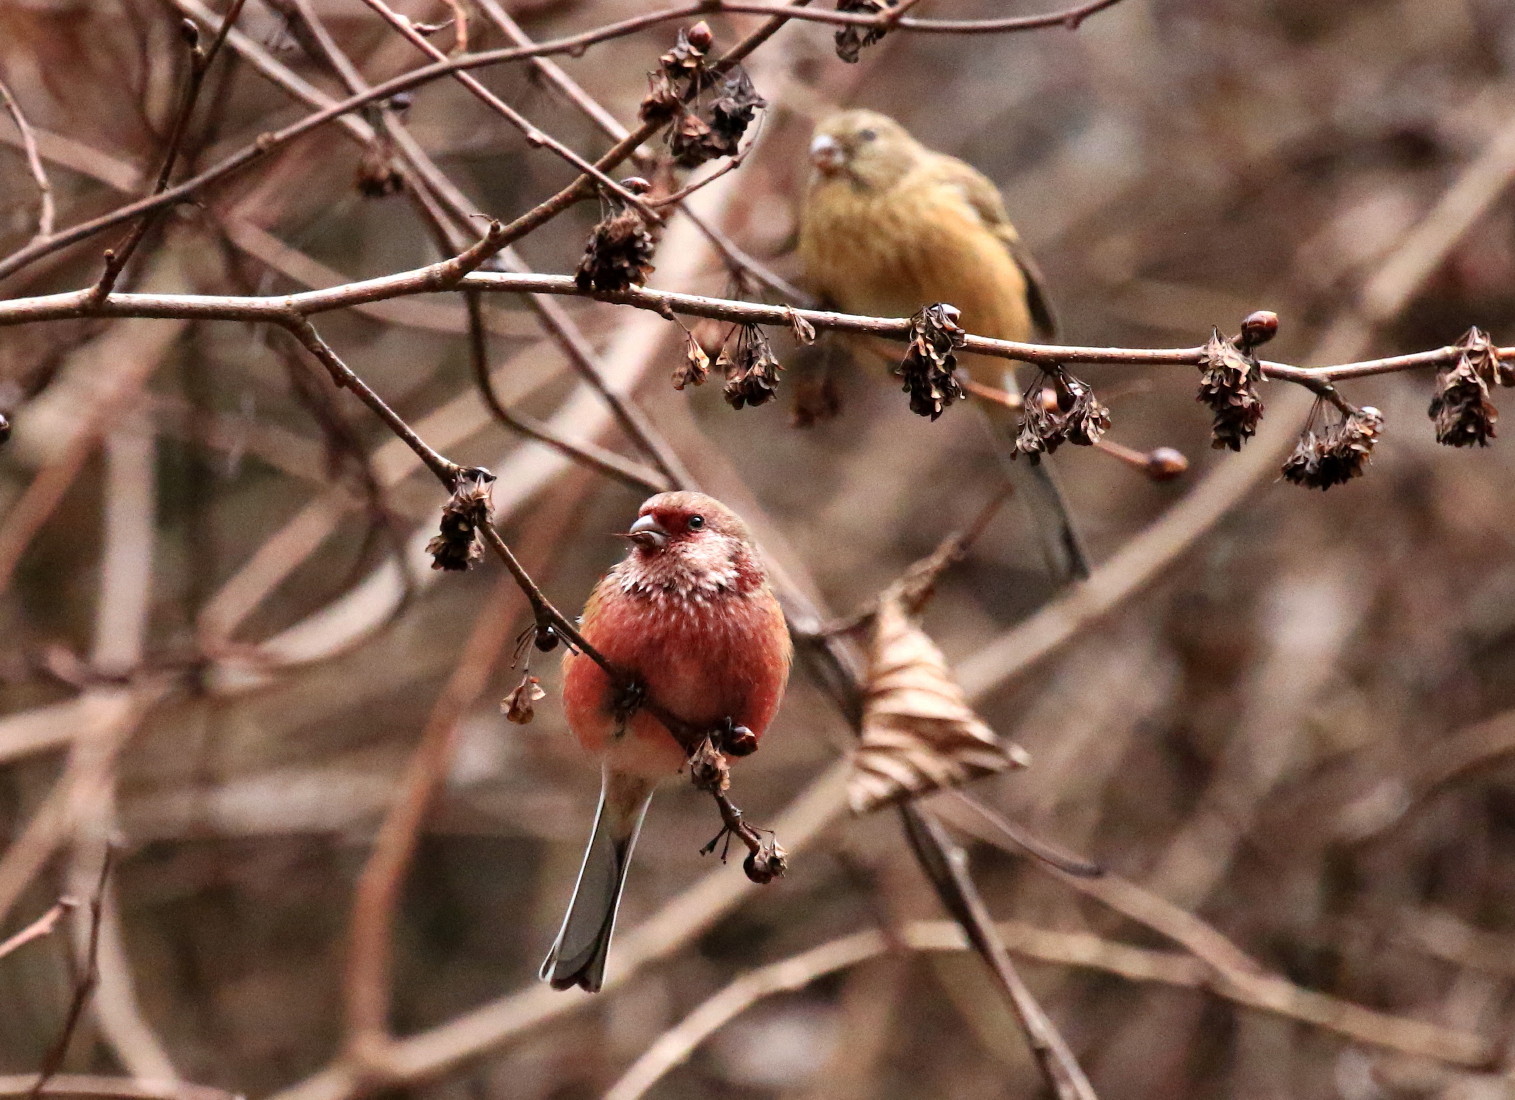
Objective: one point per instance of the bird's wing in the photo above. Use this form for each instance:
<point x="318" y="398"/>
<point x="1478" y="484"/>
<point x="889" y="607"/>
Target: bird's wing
<point x="985" y="200"/>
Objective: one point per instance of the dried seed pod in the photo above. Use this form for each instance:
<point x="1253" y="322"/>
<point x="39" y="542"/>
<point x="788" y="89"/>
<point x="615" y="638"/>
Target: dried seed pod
<point x="662" y="102"/>
<point x="733" y="110"/>
<point x="752" y="371"/>
<point x="852" y="40"/>
<point x="708" y="769"/>
<point x="1228" y="386"/>
<point x="456" y="547"/>
<point x="696" y="366"/>
<point x="520" y="705"/>
<point x="1087" y="418"/>
<point x="618" y="255"/>
<point x="1337" y="454"/>
<point x="1302" y="467"/>
<point x="930" y="362"/>
<point x="677" y="74"/>
<point x="1460" y="408"/>
<point x="769" y="862"/>
<point x="1066" y="411"/>
<point x="716" y="130"/>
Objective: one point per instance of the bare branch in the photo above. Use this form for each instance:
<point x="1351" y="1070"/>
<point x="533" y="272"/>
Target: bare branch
<point x="46" y="212"/>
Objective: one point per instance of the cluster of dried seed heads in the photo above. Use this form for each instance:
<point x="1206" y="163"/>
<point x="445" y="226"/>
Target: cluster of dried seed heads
<point x="520" y="705"/>
<point x="930" y="363"/>
<point x="696" y="365"/>
<point x="1460" y="409"/>
<point x="1335" y="454"/>
<point x="1058" y="409"/>
<point x="851" y="40"/>
<point x="703" y="126"/>
<point x="751" y="369"/>
<point x="1228" y="386"/>
<point x="457" y="547"/>
<point x="619" y="252"/>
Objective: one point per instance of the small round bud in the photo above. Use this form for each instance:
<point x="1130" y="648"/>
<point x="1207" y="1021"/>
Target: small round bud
<point x="739" y="741"/>
<point x="5" y="428"/>
<point x="700" y="36"/>
<point x="1259" y="327"/>
<point x="637" y="185"/>
<point x="190" y="32"/>
<point x="546" y="639"/>
<point x="400" y="102"/>
<point x="1165" y="464"/>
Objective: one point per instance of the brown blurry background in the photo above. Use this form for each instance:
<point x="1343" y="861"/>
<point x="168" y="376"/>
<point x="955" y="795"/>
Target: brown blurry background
<point x="1301" y="731"/>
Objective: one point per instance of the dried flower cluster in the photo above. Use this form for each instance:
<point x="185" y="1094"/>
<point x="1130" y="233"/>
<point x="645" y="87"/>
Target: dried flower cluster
<point x="930" y="363"/>
<point x="752" y="371"/>
<point x="618" y="255"/>
<point x="1228" y="386"/>
<point x="696" y="365"/>
<point x="520" y="705"/>
<point x="701" y="130"/>
<point x="1337" y="453"/>
<point x="1461" y="410"/>
<point x="851" y="41"/>
<point x="1059" y="408"/>
<point x="456" y="547"/>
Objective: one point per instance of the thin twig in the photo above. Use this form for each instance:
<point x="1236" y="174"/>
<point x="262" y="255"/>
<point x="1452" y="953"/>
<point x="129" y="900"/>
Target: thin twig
<point x="200" y="60"/>
<point x="535" y="137"/>
<point x="946" y="865"/>
<point x="84" y="985"/>
<point x="588" y="453"/>
<point x="46" y="211"/>
<point x="74" y="304"/>
<point x="367" y="982"/>
<point x="1077" y="949"/>
<point x="42" y="926"/>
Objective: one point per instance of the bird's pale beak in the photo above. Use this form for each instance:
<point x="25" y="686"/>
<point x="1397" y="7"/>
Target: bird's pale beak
<point x="648" y="533"/>
<point x="827" y="154"/>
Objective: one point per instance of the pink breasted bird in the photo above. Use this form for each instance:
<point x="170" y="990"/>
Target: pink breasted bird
<point x="689" y="615"/>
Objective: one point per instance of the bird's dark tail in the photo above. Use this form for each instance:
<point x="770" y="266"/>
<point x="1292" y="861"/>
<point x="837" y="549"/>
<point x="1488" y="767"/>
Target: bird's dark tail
<point x="578" y="955"/>
<point x="1037" y="485"/>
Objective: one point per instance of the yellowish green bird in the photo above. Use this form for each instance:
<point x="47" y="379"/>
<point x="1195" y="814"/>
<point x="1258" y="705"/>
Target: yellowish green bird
<point x="889" y="226"/>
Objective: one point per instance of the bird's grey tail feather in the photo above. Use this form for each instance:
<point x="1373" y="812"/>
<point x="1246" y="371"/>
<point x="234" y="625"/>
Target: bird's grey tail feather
<point x="1037" y="485"/>
<point x="578" y="955"/>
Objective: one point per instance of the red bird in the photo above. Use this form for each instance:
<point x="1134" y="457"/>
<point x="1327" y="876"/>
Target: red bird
<point x="689" y="615"/>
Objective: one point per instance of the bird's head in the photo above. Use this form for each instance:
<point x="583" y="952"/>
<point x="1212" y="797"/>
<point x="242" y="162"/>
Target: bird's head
<point x="690" y="540"/>
<point x="868" y="149"/>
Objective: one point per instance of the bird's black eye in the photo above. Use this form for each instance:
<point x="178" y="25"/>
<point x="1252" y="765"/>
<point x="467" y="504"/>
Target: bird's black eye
<point x="867" y="135"/>
<point x="696" y="522"/>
